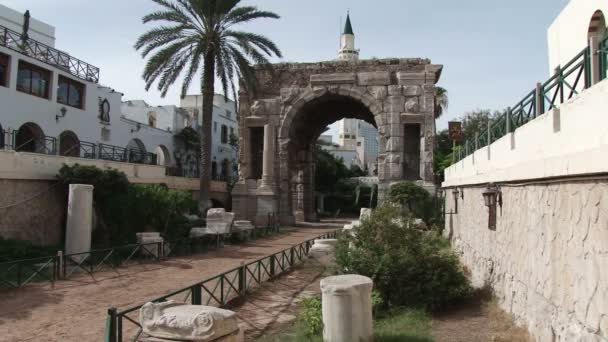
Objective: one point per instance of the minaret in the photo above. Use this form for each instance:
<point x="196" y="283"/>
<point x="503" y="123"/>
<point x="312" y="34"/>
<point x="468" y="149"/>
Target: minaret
<point x="347" y="43"/>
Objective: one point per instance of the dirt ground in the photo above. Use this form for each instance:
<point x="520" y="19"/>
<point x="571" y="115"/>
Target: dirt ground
<point x="76" y="309"/>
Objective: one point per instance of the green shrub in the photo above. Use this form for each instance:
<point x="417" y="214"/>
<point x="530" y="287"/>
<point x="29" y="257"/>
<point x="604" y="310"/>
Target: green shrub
<point x="409" y="267"/>
<point x="123" y="209"/>
<point x="311" y="316"/>
<point x="418" y="201"/>
<point x="19" y="249"/>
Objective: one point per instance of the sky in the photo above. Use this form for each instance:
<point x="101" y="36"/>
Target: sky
<point x="493" y="52"/>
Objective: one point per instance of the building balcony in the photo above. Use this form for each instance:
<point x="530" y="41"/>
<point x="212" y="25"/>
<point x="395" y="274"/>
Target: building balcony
<point x="49" y="55"/>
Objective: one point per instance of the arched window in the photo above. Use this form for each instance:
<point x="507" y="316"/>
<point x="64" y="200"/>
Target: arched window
<point x="597" y="26"/>
<point x="163" y="157"/>
<point x="135" y="151"/>
<point x="30" y="138"/>
<point x="152" y="119"/>
<point x="69" y="144"/>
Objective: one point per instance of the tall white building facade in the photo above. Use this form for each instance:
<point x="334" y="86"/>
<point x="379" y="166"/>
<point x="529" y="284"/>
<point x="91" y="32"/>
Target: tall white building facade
<point x="224" y="131"/>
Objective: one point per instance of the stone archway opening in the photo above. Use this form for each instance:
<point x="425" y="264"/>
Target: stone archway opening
<point x="163" y="156"/>
<point x="309" y="122"/>
<point x="597" y="26"/>
<point x="69" y="144"/>
<point x="31" y="138"/>
<point x="135" y="151"/>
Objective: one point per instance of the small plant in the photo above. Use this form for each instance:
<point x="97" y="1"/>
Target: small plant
<point x="311" y="316"/>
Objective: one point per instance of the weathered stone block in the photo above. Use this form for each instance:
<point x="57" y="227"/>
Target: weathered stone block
<point x="412" y="90"/>
<point x="289" y="94"/>
<point x="374" y="78"/>
<point x="393" y="118"/>
<point x="411" y="78"/>
<point x="393" y="158"/>
<point x="317" y="79"/>
<point x="412" y="106"/>
<point x="176" y="321"/>
<point x="378" y="92"/>
<point x="394" y="104"/>
<point x="395" y="90"/>
<point x="394" y="144"/>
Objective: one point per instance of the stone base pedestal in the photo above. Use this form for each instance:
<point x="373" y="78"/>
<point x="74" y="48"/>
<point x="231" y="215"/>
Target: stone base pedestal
<point x="347" y="308"/>
<point x="266" y="203"/>
<point x="151" y="242"/>
<point x="79" y="225"/>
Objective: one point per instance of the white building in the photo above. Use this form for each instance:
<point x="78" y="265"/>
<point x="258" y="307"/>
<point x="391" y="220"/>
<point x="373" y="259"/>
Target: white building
<point x="52" y="102"/>
<point x="224" y="130"/>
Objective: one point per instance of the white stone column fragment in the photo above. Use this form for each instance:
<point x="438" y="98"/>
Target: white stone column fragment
<point x="79" y="226"/>
<point x="268" y="159"/>
<point x="347" y="308"/>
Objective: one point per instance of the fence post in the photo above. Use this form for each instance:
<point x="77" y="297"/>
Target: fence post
<point x="272" y="259"/>
<point x="292" y="256"/>
<point x="594" y="44"/>
<point x="539" y="99"/>
<point x="508" y="116"/>
<point x="111" y="326"/>
<point x="242" y="279"/>
<point x="60" y="265"/>
<point x="196" y="295"/>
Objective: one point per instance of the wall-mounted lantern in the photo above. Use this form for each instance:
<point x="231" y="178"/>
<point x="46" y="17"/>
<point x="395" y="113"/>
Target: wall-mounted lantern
<point x="63" y="112"/>
<point x="492" y="196"/>
<point x="455" y="193"/>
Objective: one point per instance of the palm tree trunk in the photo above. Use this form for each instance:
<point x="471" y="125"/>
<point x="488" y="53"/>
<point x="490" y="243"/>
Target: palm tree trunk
<point x="208" y="90"/>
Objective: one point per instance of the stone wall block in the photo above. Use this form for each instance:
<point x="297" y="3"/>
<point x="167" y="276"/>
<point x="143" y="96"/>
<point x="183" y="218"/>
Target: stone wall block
<point x="412" y="105"/>
<point x="289" y="94"/>
<point x="335" y="78"/>
<point x="412" y="90"/>
<point x="394" y="104"/>
<point x="395" y="90"/>
<point x="378" y="92"/>
<point x="374" y="78"/>
<point x="393" y="118"/>
<point x="411" y="78"/>
<point x="394" y="144"/>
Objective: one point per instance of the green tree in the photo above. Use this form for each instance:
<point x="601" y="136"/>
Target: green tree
<point x="441" y="101"/>
<point x="198" y="36"/>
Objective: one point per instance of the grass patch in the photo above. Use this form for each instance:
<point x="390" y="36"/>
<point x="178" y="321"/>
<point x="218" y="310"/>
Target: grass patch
<point x="402" y="325"/>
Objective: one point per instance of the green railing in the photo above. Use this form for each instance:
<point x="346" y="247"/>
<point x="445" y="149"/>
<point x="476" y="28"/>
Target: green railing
<point x="568" y="81"/>
<point x="18" y="273"/>
<point x="217" y="291"/>
<point x="603" y="52"/>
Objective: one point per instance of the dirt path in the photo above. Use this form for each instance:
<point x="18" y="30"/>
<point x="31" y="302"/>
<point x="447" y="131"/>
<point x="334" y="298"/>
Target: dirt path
<point x="75" y="310"/>
<point x="274" y="305"/>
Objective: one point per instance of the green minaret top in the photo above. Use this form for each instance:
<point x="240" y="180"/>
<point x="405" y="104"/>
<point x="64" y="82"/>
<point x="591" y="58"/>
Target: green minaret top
<point x="348" y="28"/>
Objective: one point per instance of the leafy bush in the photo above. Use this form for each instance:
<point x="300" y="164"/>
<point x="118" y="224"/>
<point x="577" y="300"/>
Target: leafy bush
<point x="409" y="267"/>
<point x="19" y="249"/>
<point x="311" y="316"/>
<point x="123" y="209"/>
<point x="418" y="201"/>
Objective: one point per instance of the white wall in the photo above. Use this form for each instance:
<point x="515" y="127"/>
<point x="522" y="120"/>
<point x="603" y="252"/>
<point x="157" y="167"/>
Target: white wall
<point x="224" y="113"/>
<point x="19" y="108"/>
<point x="567" y="36"/>
<point x="39" y="30"/>
<point x="571" y="141"/>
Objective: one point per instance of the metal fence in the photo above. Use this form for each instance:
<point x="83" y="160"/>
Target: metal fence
<point x="217" y="291"/>
<point x="603" y="52"/>
<point x="44" y="53"/>
<point x="18" y="273"/>
<point x="567" y="81"/>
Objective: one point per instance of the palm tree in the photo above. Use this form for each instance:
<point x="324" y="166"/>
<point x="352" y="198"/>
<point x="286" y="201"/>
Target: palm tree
<point x="441" y="101"/>
<point x="198" y="36"/>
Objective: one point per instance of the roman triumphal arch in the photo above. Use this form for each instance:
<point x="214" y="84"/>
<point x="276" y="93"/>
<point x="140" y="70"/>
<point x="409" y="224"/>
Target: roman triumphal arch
<point x="295" y="102"/>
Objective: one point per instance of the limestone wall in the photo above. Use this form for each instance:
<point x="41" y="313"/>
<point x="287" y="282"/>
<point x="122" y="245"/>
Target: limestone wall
<point x="547" y="258"/>
<point x="39" y="215"/>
